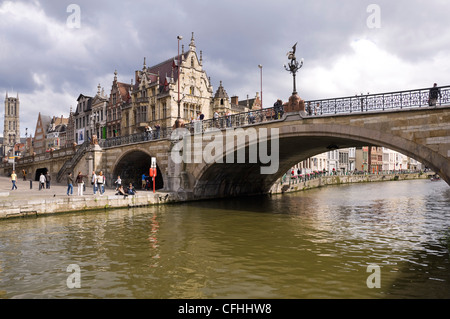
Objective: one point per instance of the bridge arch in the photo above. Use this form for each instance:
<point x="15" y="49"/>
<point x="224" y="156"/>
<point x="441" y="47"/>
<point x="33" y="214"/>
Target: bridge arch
<point x="298" y="142"/>
<point x="132" y="164"/>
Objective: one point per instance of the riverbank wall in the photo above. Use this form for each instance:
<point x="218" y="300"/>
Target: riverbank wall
<point x="59" y="204"/>
<point x="29" y="201"/>
<point x="296" y="185"/>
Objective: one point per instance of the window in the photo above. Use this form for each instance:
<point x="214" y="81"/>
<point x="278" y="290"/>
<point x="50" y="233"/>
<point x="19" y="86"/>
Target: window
<point x="164" y="110"/>
<point x="191" y="90"/>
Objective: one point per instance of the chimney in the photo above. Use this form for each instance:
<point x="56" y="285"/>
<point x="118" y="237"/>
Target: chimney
<point x="234" y="100"/>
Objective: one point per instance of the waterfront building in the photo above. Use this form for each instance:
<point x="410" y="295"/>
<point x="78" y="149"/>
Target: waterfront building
<point x="81" y="119"/>
<point x="375" y="159"/>
<point x="223" y="105"/>
<point x="98" y="113"/>
<point x="343" y="160"/>
<point x="56" y="134"/>
<point x="11" y="126"/>
<point x="40" y="134"/>
<point x="158" y="90"/>
<point x="118" y="99"/>
<point x="333" y="161"/>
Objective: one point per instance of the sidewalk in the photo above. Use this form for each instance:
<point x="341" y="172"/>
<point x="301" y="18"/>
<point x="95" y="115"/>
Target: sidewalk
<point x="24" y="201"/>
<point x="56" y="190"/>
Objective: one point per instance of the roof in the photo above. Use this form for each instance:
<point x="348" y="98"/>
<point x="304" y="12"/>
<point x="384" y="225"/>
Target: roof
<point x="221" y="93"/>
<point x="124" y="90"/>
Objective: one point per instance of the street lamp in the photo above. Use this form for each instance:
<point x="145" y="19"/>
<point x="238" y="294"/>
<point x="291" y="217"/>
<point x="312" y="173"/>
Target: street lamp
<point x="293" y="65"/>
<point x="260" y="66"/>
<point x="178" y="121"/>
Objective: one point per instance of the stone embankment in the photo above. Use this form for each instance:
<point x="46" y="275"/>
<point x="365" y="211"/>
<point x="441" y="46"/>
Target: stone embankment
<point x="295" y="185"/>
<point x="28" y="201"/>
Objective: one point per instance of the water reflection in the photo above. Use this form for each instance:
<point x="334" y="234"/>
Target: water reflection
<point x="314" y="244"/>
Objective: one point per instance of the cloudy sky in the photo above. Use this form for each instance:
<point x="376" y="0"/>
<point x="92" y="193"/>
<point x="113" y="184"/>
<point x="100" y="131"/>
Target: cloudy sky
<point x="49" y="54"/>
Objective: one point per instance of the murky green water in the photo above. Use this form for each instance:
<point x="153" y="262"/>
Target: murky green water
<point x="314" y="244"/>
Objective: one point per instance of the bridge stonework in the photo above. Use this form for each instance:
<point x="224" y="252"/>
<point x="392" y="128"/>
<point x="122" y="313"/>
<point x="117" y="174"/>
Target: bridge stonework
<point x="421" y="133"/>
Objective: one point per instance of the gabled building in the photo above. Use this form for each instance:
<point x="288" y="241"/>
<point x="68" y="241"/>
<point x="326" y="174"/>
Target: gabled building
<point x="158" y="90"/>
<point x="119" y="97"/>
<point x="81" y="118"/>
<point x="99" y="106"/>
<point x="56" y="134"/>
<point x="40" y="135"/>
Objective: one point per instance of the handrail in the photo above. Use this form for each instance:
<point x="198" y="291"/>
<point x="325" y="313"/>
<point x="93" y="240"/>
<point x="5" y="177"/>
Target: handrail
<point x="324" y="107"/>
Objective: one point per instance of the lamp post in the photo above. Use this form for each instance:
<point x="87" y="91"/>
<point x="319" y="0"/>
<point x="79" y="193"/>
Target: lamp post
<point x="178" y="121"/>
<point x="261" y="67"/>
<point x="293" y="65"/>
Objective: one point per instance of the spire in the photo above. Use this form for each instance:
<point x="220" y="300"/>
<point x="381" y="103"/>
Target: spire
<point x="115" y="75"/>
<point x="145" y="65"/>
<point x="98" y="89"/>
<point x="192" y="44"/>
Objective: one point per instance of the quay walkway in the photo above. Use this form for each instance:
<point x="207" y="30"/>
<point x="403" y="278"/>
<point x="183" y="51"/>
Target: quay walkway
<point x="26" y="202"/>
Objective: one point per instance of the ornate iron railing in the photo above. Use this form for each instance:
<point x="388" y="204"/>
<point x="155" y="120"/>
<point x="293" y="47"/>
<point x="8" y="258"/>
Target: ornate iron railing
<point x="135" y="138"/>
<point x="375" y="102"/>
<point x="325" y="107"/>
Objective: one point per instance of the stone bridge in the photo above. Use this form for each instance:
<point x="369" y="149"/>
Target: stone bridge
<point x="247" y="153"/>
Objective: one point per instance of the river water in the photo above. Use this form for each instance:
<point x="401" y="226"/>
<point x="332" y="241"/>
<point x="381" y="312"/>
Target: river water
<point x="375" y="240"/>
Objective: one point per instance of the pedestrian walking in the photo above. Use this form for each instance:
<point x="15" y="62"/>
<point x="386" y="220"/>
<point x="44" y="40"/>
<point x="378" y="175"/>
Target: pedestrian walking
<point x="24" y="173"/>
<point x="80" y="183"/>
<point x="48" y="179"/>
<point x="13" y="180"/>
<point x="101" y="183"/>
<point x="69" y="184"/>
<point x="143" y="181"/>
<point x="118" y="183"/>
<point x="41" y="181"/>
<point x="94" y="182"/>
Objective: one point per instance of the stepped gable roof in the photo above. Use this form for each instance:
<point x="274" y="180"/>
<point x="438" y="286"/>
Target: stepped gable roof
<point x="124" y="91"/>
<point x="46" y="120"/>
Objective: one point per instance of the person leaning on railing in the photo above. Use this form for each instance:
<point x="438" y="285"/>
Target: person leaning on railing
<point x="435" y="93"/>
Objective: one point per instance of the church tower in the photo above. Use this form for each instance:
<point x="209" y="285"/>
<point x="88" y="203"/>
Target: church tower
<point x="11" y="128"/>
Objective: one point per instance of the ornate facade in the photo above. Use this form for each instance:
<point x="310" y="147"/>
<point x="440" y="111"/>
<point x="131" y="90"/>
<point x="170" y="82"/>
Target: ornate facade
<point x="155" y="95"/>
<point x="119" y="99"/>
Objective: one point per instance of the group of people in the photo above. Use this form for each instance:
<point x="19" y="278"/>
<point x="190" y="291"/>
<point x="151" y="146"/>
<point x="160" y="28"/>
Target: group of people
<point x="149" y="135"/>
<point x="121" y="191"/>
<point x="98" y="182"/>
<point x="44" y="181"/>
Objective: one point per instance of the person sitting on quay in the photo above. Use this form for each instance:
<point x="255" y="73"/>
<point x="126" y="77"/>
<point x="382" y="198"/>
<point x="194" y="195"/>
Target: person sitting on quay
<point x="131" y="190"/>
<point x="120" y="191"/>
